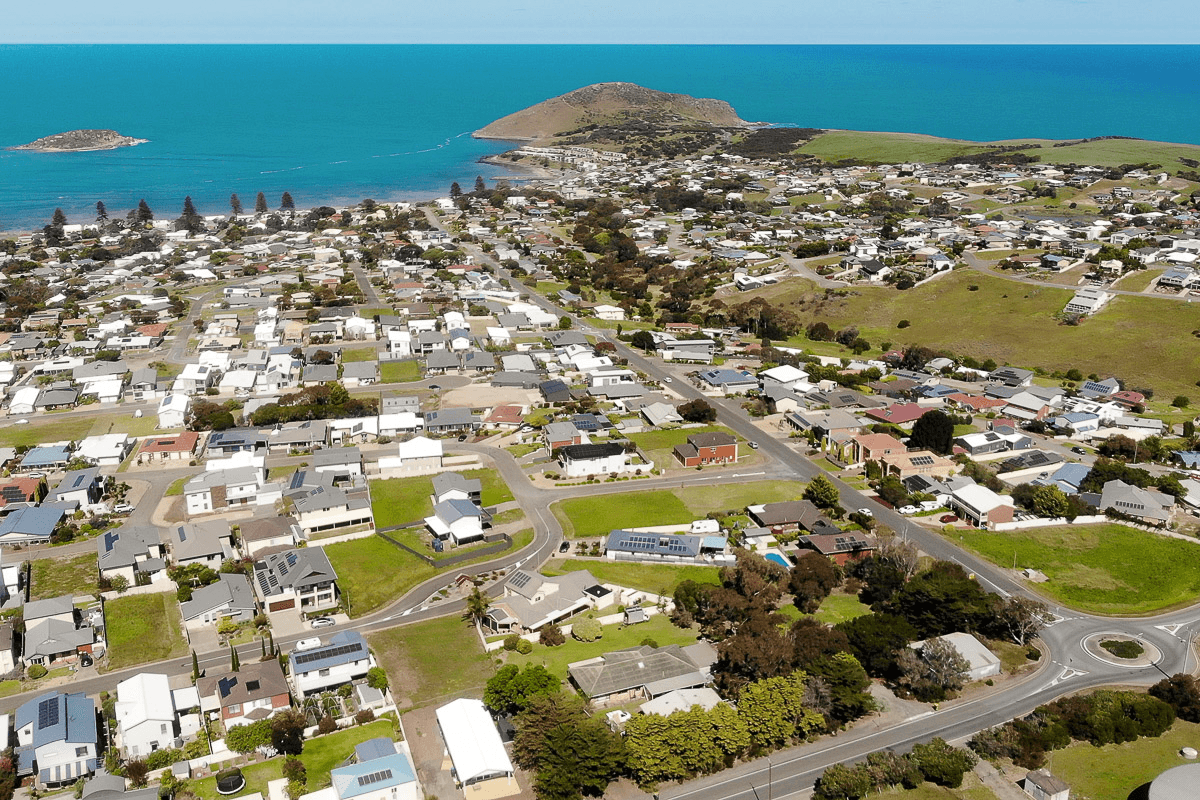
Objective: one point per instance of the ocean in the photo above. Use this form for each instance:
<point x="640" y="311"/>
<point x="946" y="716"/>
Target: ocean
<point x="336" y="124"/>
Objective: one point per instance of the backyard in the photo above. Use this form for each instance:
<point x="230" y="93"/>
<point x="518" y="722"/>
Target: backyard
<point x="416" y="658"/>
<point x="658" y="629"/>
<point x="1090" y="568"/>
<point x="53" y="577"/>
<point x="321" y="754"/>
<point x="656" y="578"/>
<point x="143" y="628"/>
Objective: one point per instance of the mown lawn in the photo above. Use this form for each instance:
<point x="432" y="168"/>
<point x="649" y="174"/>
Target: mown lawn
<point x="321" y="754"/>
<point x="353" y="354"/>
<point x="53" y="577"/>
<point x="1014" y="323"/>
<point x="127" y="423"/>
<point x="57" y="431"/>
<point x="143" y="628"/>
<point x="1100" y="569"/>
<point x="399" y="371"/>
<point x="596" y="516"/>
<point x="656" y="578"/>
<point x="397" y="501"/>
<point x="658" y="628"/>
<point x="658" y="445"/>
<point x="373" y="572"/>
<point x="1116" y="770"/>
<point x="417" y="657"/>
<point x="495" y="490"/>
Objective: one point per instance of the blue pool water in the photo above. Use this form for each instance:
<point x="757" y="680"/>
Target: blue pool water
<point x="778" y="559"/>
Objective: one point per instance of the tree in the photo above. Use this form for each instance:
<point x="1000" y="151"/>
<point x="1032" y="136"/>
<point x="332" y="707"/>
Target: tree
<point x="1019" y="618"/>
<point x="136" y="770"/>
<point x="683" y="744"/>
<point x="286" y="203"/>
<point x="942" y="764"/>
<point x="933" y="431"/>
<point x="1049" y="501"/>
<point x="455" y="191"/>
<point x="235" y="204"/>
<point x="564" y="323"/>
<point x="101" y="212"/>
<point x="144" y="214"/>
<point x="377" y="678"/>
<point x="480" y="186"/>
<point x="551" y="635"/>
<point x="1181" y="401"/>
<point x="821" y="493"/>
<point x="811" y="581"/>
<point x="932" y="672"/>
<point x="774" y="713"/>
<point x="697" y="410"/>
<point x="477" y="605"/>
<point x="260" y="204"/>
<point x="189" y="210"/>
<point x="1182" y="693"/>
<point x="942" y="599"/>
<point x="512" y="690"/>
<point x="195" y="667"/>
<point x="847" y="683"/>
<point x="758" y="649"/>
<point x="246" y="738"/>
<point x="876" y="639"/>
<point x="571" y="753"/>
<point x="59" y="219"/>
<point x="287" y="732"/>
<point x="234" y="663"/>
<point x="642" y="340"/>
<point x="842" y="782"/>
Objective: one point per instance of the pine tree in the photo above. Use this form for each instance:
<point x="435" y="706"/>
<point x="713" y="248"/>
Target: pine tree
<point x="59" y="218"/>
<point x="455" y="191"/>
<point x="286" y="203"/>
<point x="234" y="663"/>
<point x="144" y="214"/>
<point x="101" y="212"/>
<point x="260" y="204"/>
<point x="236" y="204"/>
<point x="195" y="667"/>
<point x="480" y="186"/>
<point x="189" y="210"/>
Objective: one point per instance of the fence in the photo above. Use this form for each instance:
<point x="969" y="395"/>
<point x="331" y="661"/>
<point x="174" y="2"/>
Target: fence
<point x="504" y="543"/>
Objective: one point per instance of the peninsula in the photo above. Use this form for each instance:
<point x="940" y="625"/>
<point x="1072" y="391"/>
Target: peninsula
<point x="81" y="141"/>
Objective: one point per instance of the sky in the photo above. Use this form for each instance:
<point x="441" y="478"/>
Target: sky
<point x="609" y="22"/>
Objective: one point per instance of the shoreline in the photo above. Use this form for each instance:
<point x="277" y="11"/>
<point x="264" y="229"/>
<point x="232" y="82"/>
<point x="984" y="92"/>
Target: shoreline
<point x="34" y="148"/>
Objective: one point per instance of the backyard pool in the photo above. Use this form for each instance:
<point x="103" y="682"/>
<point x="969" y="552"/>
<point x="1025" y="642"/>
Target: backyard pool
<point x="778" y="559"/>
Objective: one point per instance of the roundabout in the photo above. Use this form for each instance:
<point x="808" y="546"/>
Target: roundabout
<point x="1121" y="650"/>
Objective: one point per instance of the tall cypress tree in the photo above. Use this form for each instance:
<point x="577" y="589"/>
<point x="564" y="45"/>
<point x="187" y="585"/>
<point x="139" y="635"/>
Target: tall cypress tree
<point x="144" y="214"/>
<point x="235" y="203"/>
<point x="260" y="204"/>
<point x="195" y="667"/>
<point x="101" y="212"/>
<point x="234" y="663"/>
<point x="286" y="203"/>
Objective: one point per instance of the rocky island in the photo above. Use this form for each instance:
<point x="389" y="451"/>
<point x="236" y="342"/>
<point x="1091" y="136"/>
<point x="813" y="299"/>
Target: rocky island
<point x="81" y="141"/>
<point x="621" y="115"/>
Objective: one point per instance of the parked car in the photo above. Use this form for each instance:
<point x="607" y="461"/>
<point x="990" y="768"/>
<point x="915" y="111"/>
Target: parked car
<point x="908" y="509"/>
<point x="564" y="547"/>
<point x="667" y="379"/>
<point x="122" y="508"/>
<point x="1079" y="451"/>
<point x="866" y="512"/>
<point x="752" y="445"/>
<point x="948" y="518"/>
<point x="323" y="622"/>
<point x="462" y="437"/>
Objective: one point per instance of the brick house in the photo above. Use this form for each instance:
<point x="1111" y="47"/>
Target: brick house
<point x="256" y="691"/>
<point x="707" y="448"/>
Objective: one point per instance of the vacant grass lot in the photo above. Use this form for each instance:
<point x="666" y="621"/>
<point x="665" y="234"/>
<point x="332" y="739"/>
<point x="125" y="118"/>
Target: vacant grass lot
<point x="1138" y="281"/>
<point x="657" y="578"/>
<point x="1014" y="324"/>
<point x="1101" y="569"/>
<point x="556" y="659"/>
<point x="596" y="516"/>
<point x="397" y="501"/>
<point x="373" y="572"/>
<point x="53" y="577"/>
<point x="143" y="628"/>
<point x="399" y="371"/>
<point x="353" y="354"/>
<point x="37" y="433"/>
<point x="321" y="754"/>
<point x="416" y="659"/>
<point x="1116" y="770"/>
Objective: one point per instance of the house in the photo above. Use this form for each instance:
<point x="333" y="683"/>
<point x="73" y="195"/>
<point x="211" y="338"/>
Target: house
<point x="179" y="447"/>
<point x="31" y="524"/>
<point x="826" y="423"/>
<point x="8" y="659"/>
<point x="382" y="770"/>
<point x="459" y="520"/>
<point x="531" y="601"/>
<point x="265" y="533"/>
<point x="699" y="351"/>
<point x="902" y="414"/>
<point x="476" y="752"/>
<point x="298" y="436"/>
<point x="321" y="506"/>
<point x="195" y="379"/>
<point x="20" y="490"/>
<point x="145" y="715"/>
<point x="226" y="443"/>
<point x="453" y="486"/>
<point x="107" y="450"/>
<point x="672" y="548"/>
<point x="786" y="376"/>
<point x="1087" y="300"/>
<point x="873" y="446"/>
<point x="57" y="738"/>
<point x="217" y="490"/>
<point x="83" y="487"/>
<point x="228" y="598"/>
<point x="562" y="434"/>
<point x="642" y="673"/>
<point x="612" y="313"/>
<point x="792" y="515"/>
<point x="173" y="410"/>
<point x="979" y="505"/>
<point x="727" y="381"/>
<point x="46" y="458"/>
<point x="345" y="658"/>
<point x="420" y="452"/>
<point x="301" y="579"/>
<point x="581" y="460"/>
<point x="841" y="548"/>
<point x="129" y="551"/>
<point x="981" y="662"/>
<point x="343" y="463"/>
<point x="1145" y="505"/>
<point x="1040" y="784"/>
<point x="714" y="447"/>
<point x="916" y="462"/>
<point x="256" y="691"/>
<point x="55" y="631"/>
<point x="451" y="420"/>
<point x="1075" y="423"/>
<point x="1012" y="376"/>
<point x="985" y="442"/>
<point x="208" y="543"/>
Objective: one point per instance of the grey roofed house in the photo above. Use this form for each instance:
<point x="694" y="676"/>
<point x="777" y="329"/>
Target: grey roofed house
<point x="561" y="432"/>
<point x="1012" y="376"/>
<point x="520" y="380"/>
<point x="266" y="528"/>
<point x="84" y="485"/>
<point x="844" y="398"/>
<point x="479" y="360"/>
<point x="47" y="636"/>
<point x="337" y="457"/>
<point x="618" y="391"/>
<point x="293" y="569"/>
<point x="301" y="435"/>
<point x="442" y="359"/>
<point x="639" y="671"/>
<point x="30" y="524"/>
<point x="532" y="600"/>
<point x="518" y="362"/>
<point x="512" y="321"/>
<point x="567" y="338"/>
<point x="112" y="787"/>
<point x="98" y="369"/>
<point x="1146" y="504"/>
<point x="344" y="647"/>
<point x="57" y="717"/>
<point x="234" y="441"/>
<point x="360" y="371"/>
<point x="661" y="414"/>
<point x="200" y="541"/>
<point x="1030" y="459"/>
<point x="792" y="512"/>
<point x="454" y="481"/>
<point x="52" y="398"/>
<point x="555" y="391"/>
<point x="320" y="373"/>
<point x="231" y="593"/>
<point x="397" y="403"/>
<point x="122" y="547"/>
<point x="448" y="419"/>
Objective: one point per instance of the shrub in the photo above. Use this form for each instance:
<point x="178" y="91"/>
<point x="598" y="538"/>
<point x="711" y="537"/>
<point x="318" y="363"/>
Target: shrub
<point x="377" y="678"/>
<point x="587" y="630"/>
<point x="903" y="323"/>
<point x="37" y="671"/>
<point x="1122" y="648"/>
<point x="364" y="716"/>
<point x="294" y="770"/>
<point x="551" y="636"/>
<point x="136" y="771"/>
<point x="511" y="641"/>
<point x="524" y="647"/>
<point x="649" y="642"/>
<point x="327" y="724"/>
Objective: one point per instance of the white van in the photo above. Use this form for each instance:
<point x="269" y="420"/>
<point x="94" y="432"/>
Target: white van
<point x="308" y="644"/>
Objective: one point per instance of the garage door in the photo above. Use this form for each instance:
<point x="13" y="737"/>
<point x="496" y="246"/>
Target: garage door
<point x="282" y="605"/>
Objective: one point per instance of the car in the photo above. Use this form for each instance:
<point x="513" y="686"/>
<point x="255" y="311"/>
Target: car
<point x="752" y="445"/>
<point x="435" y="386"/>
<point x="122" y="508"/>
<point x="322" y="622"/>
<point x="948" y="518"/>
<point x="1079" y="451"/>
<point x="866" y="512"/>
<point x="21" y="422"/>
<point x="908" y="509"/>
<point x="85" y="660"/>
<point x="462" y="437"/>
<point x="564" y="547"/>
<point x="667" y="379"/>
<point x="35" y="475"/>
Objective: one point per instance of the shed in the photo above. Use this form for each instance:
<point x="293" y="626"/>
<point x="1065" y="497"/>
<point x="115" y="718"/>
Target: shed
<point x="473" y="742"/>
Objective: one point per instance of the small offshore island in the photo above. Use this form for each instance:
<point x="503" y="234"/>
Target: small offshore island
<point x="80" y="141"/>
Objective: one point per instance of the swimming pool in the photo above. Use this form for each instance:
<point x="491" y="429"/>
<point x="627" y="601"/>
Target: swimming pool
<point x="778" y="559"/>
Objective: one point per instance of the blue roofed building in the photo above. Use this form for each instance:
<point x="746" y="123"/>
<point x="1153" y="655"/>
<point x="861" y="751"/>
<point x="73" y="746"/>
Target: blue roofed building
<point x="727" y="381"/>
<point x="1190" y="459"/>
<point x="57" y="738"/>
<point x="46" y="457"/>
<point x="382" y="770"/>
<point x="30" y="525"/>
<point x="343" y="659"/>
<point x="1067" y="478"/>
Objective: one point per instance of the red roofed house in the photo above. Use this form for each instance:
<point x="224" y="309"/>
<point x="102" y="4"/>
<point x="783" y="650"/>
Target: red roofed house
<point x="917" y="462"/>
<point x="707" y="448"/>
<point x="176" y="447"/>
<point x="155" y="331"/>
<point x="22" y="490"/>
<point x="872" y="446"/>
<point x="509" y="416"/>
<point x="1129" y="399"/>
<point x="902" y="414"/>
<point x="974" y="402"/>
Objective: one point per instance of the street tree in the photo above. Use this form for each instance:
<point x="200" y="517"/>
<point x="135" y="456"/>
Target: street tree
<point x="774" y="711"/>
<point x="1182" y="693"/>
<point x="1019" y="617"/>
<point x="642" y="340"/>
<point x="942" y="599"/>
<point x="942" y="764"/>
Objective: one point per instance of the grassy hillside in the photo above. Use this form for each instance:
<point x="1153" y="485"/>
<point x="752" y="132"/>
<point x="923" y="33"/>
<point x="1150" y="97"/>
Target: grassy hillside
<point x="1144" y="340"/>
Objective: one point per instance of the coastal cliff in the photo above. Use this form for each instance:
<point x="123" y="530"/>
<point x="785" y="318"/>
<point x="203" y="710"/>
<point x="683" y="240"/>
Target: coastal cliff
<point x="618" y="113"/>
<point x="80" y="141"/>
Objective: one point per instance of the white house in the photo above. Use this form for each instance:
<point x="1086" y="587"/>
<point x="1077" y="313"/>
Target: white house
<point x="614" y="313"/>
<point x="107" y="450"/>
<point x="23" y="400"/>
<point x="145" y="714"/>
<point x="473" y="743"/>
<point x="173" y="410"/>
<point x="459" y="520"/>
<point x="581" y="460"/>
<point x="343" y="659"/>
<point x="416" y="453"/>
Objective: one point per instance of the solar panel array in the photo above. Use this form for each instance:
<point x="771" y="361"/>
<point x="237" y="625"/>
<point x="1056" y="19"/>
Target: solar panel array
<point x="374" y="777"/>
<point x="520" y="579"/>
<point x="324" y="653"/>
<point x="48" y="713"/>
<point x="922" y="461"/>
<point x="648" y="543"/>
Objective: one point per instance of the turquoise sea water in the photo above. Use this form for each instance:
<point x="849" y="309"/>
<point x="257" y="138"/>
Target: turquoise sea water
<point x="339" y="123"/>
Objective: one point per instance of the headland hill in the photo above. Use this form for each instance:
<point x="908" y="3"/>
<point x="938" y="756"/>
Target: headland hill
<point x="81" y="141"/>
